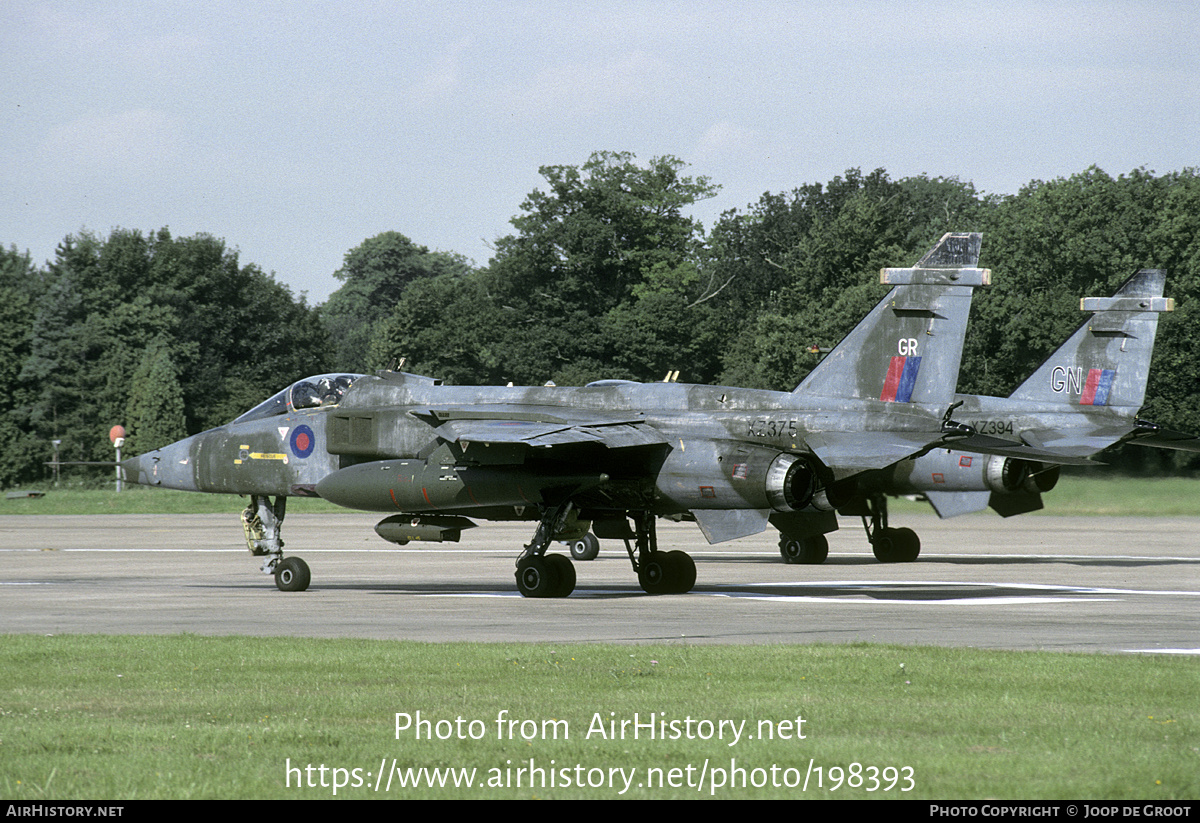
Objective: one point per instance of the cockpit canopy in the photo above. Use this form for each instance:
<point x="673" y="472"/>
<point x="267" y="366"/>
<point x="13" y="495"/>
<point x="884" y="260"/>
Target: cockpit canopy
<point x="309" y="393"/>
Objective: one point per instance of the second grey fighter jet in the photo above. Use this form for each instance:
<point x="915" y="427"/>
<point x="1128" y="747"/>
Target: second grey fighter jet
<point x="1083" y="399"/>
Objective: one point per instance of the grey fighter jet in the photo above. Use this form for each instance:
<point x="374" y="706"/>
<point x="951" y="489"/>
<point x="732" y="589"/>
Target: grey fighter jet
<point x="611" y="456"/>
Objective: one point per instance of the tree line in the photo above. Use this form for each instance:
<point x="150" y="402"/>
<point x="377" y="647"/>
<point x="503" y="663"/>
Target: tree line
<point x="604" y="276"/>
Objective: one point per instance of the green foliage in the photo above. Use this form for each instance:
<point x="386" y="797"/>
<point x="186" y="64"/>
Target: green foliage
<point x="376" y="274"/>
<point x="803" y="272"/>
<point x="447" y="326"/>
<point x="602" y="279"/>
<point x="806" y="264"/>
<point x="1047" y="246"/>
<point x="19" y="282"/>
<point x="594" y="236"/>
<point x="1173" y="394"/>
<point x="1057" y="241"/>
<point x="155" y="412"/>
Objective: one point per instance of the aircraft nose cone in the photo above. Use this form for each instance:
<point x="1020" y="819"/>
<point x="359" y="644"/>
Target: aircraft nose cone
<point x="170" y="467"/>
<point x="131" y="468"/>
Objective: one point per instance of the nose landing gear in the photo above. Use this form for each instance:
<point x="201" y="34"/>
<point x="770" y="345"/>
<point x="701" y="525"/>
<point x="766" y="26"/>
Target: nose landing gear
<point x="262" y="522"/>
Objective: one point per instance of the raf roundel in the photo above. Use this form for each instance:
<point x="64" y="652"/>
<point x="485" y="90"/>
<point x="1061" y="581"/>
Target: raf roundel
<point x="303" y="441"/>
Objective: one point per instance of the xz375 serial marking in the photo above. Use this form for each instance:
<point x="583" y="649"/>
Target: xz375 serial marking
<point x="772" y="428"/>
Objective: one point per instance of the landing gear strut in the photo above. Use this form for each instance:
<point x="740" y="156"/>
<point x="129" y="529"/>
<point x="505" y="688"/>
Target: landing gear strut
<point x="262" y="522"/>
<point x="889" y="545"/>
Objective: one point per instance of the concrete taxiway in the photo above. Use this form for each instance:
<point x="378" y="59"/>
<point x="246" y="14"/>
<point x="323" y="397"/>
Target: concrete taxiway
<point x="1037" y="582"/>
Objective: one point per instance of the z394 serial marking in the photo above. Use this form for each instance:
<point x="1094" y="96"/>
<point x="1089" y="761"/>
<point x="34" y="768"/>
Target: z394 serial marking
<point x="993" y="426"/>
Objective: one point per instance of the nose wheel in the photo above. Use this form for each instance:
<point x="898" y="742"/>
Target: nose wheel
<point x="262" y="522"/>
<point x="292" y="575"/>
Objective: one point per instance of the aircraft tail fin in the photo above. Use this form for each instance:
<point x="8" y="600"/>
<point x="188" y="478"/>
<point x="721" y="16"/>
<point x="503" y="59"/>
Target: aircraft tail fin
<point x="1106" y="362"/>
<point x="909" y="348"/>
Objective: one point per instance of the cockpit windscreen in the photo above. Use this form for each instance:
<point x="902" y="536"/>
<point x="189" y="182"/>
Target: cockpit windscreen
<point x="309" y="393"/>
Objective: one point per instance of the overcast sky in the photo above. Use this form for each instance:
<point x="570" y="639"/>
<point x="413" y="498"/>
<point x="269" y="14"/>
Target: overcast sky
<point x="296" y="130"/>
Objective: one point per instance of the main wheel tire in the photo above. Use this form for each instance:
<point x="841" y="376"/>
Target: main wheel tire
<point x="292" y="575"/>
<point x="654" y="574"/>
<point x="790" y="549"/>
<point x="887" y="546"/>
<point x="536" y="578"/>
<point x="565" y="571"/>
<point x="681" y="572"/>
<point x="585" y="548"/>
<point x="908" y="545"/>
<point x="810" y="551"/>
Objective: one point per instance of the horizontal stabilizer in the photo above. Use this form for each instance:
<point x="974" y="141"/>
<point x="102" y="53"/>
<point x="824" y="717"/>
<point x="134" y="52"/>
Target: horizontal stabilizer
<point x="1168" y="439"/>
<point x="985" y="444"/>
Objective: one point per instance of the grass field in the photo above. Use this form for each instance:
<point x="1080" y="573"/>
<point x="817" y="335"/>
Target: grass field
<point x="1074" y="495"/>
<point x="142" y="500"/>
<point x="191" y="717"/>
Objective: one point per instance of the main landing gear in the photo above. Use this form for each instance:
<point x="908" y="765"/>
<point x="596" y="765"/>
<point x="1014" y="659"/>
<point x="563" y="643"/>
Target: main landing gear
<point x="889" y="545"/>
<point x="658" y="572"/>
<point x="546" y="575"/>
<point x="809" y="551"/>
<point x="552" y="575"/>
<point x="262" y="522"/>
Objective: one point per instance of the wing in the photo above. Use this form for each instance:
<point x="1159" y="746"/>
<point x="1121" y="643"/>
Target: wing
<point x="492" y="436"/>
